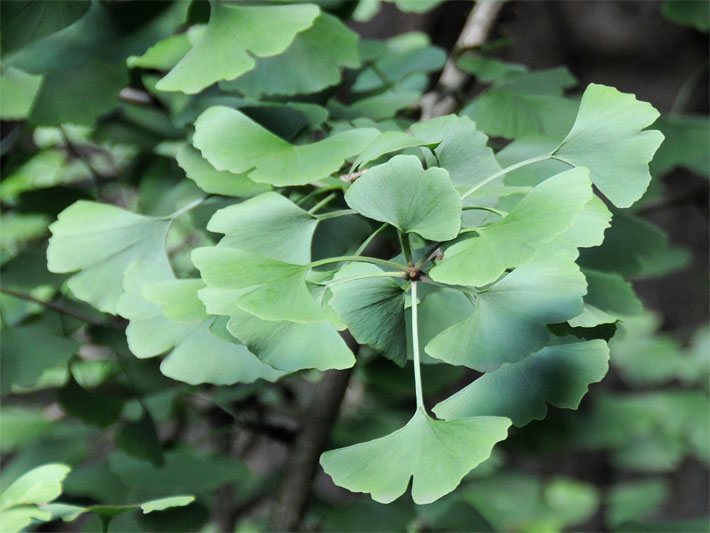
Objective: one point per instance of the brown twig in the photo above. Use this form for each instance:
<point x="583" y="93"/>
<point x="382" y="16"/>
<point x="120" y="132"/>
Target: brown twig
<point x="441" y="100"/>
<point x="51" y="305"/>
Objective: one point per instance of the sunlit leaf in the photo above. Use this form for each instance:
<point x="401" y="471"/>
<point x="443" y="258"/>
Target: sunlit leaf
<point x="434" y="453"/>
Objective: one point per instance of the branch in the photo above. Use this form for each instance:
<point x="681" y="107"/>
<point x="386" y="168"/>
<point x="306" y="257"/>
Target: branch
<point x="51" y="305"/>
<point x="319" y="417"/>
<point x="441" y="100"/>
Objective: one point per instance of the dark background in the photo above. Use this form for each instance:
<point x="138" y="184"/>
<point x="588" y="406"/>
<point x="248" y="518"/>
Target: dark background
<point x="631" y="46"/>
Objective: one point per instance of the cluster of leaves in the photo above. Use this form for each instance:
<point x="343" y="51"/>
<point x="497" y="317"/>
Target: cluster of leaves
<point x="471" y="249"/>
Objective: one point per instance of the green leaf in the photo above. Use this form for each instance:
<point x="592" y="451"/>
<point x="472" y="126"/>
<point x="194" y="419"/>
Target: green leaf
<point x="687" y="13"/>
<point x="462" y="150"/>
<point x="522" y="104"/>
<point x="79" y="95"/>
<point x="508" y="321"/>
<point x="18" y="91"/>
<point x="546" y="212"/>
<point x="215" y="181"/>
<point x="634" y="247"/>
<point x="436" y="454"/>
<point x="20" y="426"/>
<point x="310" y="64"/>
<point x="245" y="31"/>
<point x="687" y="139"/>
<point x="607" y="138"/>
<point x="231" y="141"/>
<point x="558" y="375"/>
<point x="609" y="298"/>
<point x="101" y="241"/>
<point x="269" y="225"/>
<point x="26" y="352"/>
<point x="385" y="143"/>
<point x="269" y="289"/>
<point x="164" y="55"/>
<point x="166" y="503"/>
<point x="38" y="486"/>
<point x="92" y="407"/>
<point x="635" y="500"/>
<point x="410" y="198"/>
<point x="291" y="346"/>
<point x="139" y="438"/>
<point x="166" y="315"/>
<point x="19" y="518"/>
<point x="373" y="309"/>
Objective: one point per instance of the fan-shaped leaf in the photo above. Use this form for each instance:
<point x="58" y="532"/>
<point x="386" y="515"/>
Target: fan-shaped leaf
<point x="373" y="310"/>
<point x="436" y="454"/>
<point x="547" y="211"/>
<point x="607" y="138"/>
<point x="269" y="225"/>
<point x="242" y="31"/>
<point x="508" y="320"/>
<point x="38" y="486"/>
<point x="559" y="375"/>
<point x="101" y="241"/>
<point x="231" y="141"/>
<point x="410" y="198"/>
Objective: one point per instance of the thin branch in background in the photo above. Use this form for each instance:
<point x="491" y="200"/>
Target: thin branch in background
<point x="52" y="306"/>
<point x="441" y="100"/>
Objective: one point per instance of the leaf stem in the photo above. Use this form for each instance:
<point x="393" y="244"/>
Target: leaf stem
<point x="347" y="258"/>
<point x="505" y="171"/>
<point x="367" y="276"/>
<point x="406" y="247"/>
<point x="490" y="209"/>
<point x="335" y="214"/>
<point x="415" y="349"/>
<point x="187" y="207"/>
<point x="318" y="192"/>
<point x="367" y="241"/>
<point x="325" y="201"/>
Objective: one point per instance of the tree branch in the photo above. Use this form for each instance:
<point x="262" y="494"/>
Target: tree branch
<point x="441" y="100"/>
<point x="319" y="417"/>
<point x="51" y="305"/>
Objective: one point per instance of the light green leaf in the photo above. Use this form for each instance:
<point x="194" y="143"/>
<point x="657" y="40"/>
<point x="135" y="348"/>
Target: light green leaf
<point x="609" y="298"/>
<point x="291" y="346"/>
<point x="508" y="320"/>
<point x="242" y="30"/>
<point x="231" y="141"/>
<point x="38" y="486"/>
<point x="546" y="212"/>
<point x="559" y="375"/>
<point x="18" y="518"/>
<point x="214" y="181"/>
<point x="436" y="454"/>
<point x="462" y="150"/>
<point x="269" y="225"/>
<point x="410" y="198"/>
<point x="269" y="289"/>
<point x="387" y="142"/>
<point x="177" y="298"/>
<point x="164" y="55"/>
<point x="310" y="64"/>
<point x="607" y="138"/>
<point x="18" y="91"/>
<point x="587" y="230"/>
<point x="166" y="503"/>
<point x="373" y="310"/>
<point x="26" y="352"/>
<point x="522" y="104"/>
<point x="101" y="241"/>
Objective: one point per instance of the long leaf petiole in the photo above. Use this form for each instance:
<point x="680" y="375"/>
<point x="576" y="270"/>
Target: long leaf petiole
<point x="362" y="259"/>
<point x="415" y="349"/>
<point x="505" y="171"/>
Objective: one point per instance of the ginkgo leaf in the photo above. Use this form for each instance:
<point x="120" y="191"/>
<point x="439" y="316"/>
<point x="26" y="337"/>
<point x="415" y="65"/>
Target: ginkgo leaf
<point x="18" y="92"/>
<point x="244" y="31"/>
<point x="214" y="181"/>
<point x="462" y="149"/>
<point x="609" y="298"/>
<point x="231" y="141"/>
<point x="435" y="454"/>
<point x="607" y="138"/>
<point x="508" y="320"/>
<point x="410" y="198"/>
<point x="310" y="64"/>
<point x="373" y="309"/>
<point x="165" y="315"/>
<point x="588" y="228"/>
<point x="38" y="486"/>
<point x="269" y="225"/>
<point x="269" y="289"/>
<point x="558" y="375"/>
<point x="291" y="346"/>
<point x="101" y="241"/>
<point x="387" y="142"/>
<point x="511" y="241"/>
